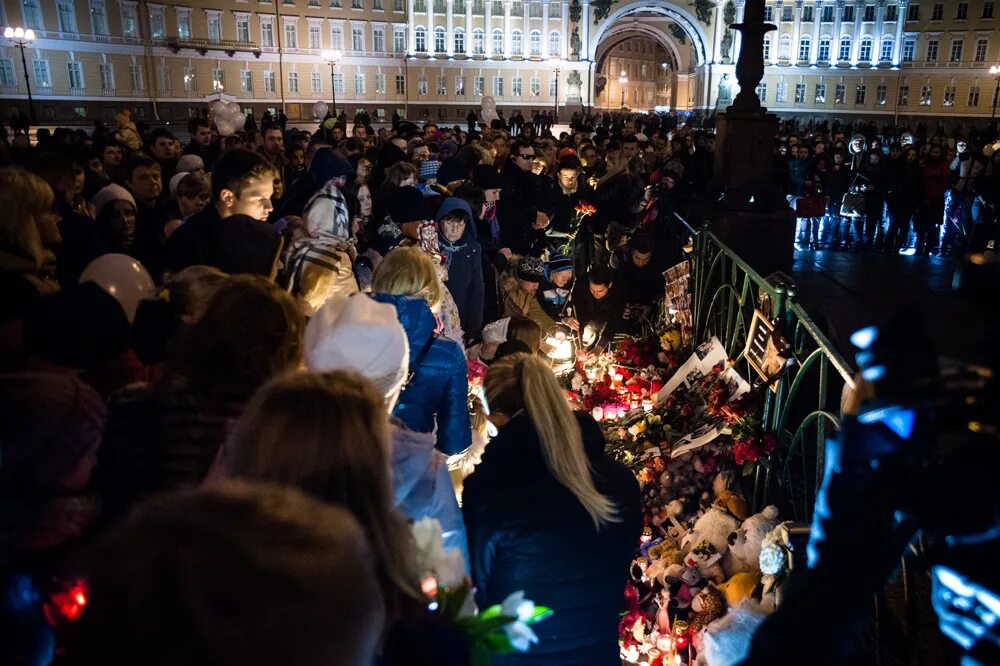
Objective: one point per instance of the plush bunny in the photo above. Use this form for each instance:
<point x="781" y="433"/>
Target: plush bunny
<point x="745" y="542"/>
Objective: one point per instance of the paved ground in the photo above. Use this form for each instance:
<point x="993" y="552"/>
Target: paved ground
<point x="847" y="291"/>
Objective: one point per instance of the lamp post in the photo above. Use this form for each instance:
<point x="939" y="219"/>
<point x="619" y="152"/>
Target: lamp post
<point x="622" y="80"/>
<point x="995" y="73"/>
<point x="331" y="57"/>
<point x="20" y="38"/>
<point x="556" y="67"/>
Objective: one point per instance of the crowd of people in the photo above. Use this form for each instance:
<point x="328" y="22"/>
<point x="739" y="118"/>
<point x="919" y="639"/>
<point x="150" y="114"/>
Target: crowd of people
<point x="296" y="372"/>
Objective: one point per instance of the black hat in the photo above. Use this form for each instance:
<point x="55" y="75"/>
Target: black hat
<point x="485" y="177"/>
<point x="408" y="205"/>
<point x="530" y="269"/>
<point x="450" y="171"/>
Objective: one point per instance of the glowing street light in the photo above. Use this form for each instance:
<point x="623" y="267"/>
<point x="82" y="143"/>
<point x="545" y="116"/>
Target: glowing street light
<point x="20" y="38"/>
<point x="622" y="80"/>
<point x="556" y="65"/>
<point x="331" y="56"/>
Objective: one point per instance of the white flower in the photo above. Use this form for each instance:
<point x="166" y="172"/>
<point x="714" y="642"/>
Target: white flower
<point x="447" y="566"/>
<point x="521" y="636"/>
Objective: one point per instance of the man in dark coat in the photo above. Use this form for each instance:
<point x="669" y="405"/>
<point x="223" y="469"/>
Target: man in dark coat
<point x="517" y="210"/>
<point x="463" y="257"/>
<point x="599" y="300"/>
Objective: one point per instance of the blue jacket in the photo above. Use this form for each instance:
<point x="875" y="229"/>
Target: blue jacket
<point x="437" y="396"/>
<point x="465" y="268"/>
<point x="529" y="532"/>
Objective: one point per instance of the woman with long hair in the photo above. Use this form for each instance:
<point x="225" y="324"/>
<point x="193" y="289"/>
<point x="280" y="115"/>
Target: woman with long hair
<point x="28" y="229"/>
<point x="547" y="512"/>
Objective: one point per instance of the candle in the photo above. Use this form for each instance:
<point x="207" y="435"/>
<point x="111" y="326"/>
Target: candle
<point x="598" y="413"/>
<point x="591" y="374"/>
<point x="647" y="405"/>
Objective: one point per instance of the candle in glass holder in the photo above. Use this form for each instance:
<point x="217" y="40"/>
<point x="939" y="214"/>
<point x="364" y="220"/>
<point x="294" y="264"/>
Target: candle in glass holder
<point x="591" y="374"/>
<point x="598" y="413"/>
<point x="647" y="405"/>
<point x="616" y="379"/>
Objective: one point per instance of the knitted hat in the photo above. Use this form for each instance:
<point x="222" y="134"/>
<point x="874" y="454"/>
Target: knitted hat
<point x="327" y="165"/>
<point x="407" y="205"/>
<point x="358" y="333"/>
<point x="530" y="269"/>
<point x="559" y="263"/>
<point x="110" y="193"/>
<point x="485" y="177"/>
<point x="429" y="169"/>
<point x="450" y="171"/>
<point x="175" y="180"/>
<point x="190" y="163"/>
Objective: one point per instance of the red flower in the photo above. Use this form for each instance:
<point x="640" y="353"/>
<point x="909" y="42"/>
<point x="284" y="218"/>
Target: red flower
<point x="584" y="209"/>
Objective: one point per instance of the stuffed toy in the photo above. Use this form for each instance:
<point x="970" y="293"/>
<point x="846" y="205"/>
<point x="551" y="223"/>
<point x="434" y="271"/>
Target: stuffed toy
<point x="732" y="504"/>
<point x="715" y="526"/>
<point x="745" y="542"/>
<point x="775" y="562"/>
<point x="726" y="642"/>
<point x="708" y="607"/>
<point x="739" y="587"/>
<point x="706" y="558"/>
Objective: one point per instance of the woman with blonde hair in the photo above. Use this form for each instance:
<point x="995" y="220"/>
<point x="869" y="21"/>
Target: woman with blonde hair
<point x="28" y="229"/>
<point x="435" y="395"/>
<point x="548" y="512"/>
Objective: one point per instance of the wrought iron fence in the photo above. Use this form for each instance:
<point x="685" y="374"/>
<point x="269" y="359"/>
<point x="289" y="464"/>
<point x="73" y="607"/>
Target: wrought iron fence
<point x="802" y="407"/>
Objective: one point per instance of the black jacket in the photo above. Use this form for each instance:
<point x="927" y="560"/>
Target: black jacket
<point x="518" y="208"/>
<point x="236" y="244"/>
<point x="528" y="532"/>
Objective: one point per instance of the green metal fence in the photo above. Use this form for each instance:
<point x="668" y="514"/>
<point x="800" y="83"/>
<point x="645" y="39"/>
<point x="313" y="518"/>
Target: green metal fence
<point x="804" y="407"/>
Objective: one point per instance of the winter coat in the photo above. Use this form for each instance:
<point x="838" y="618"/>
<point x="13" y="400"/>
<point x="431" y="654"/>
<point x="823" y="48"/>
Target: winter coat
<point x="609" y="310"/>
<point x="421" y="484"/>
<point x="464" y="262"/>
<point x="518" y="208"/>
<point x="236" y="244"/>
<point x="529" y="532"/>
<point x="437" y="395"/>
<point x="519" y="303"/>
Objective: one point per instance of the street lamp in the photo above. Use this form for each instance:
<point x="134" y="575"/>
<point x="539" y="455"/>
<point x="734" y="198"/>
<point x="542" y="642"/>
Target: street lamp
<point x="556" y="65"/>
<point x="331" y="57"/>
<point x="20" y="38"/>
<point x="995" y="73"/>
<point x="622" y="80"/>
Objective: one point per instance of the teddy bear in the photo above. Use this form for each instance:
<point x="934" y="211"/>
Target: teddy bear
<point x="745" y="542"/>
<point x="715" y="526"/>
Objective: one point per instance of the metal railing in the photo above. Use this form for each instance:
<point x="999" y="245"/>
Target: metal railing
<point x="802" y="408"/>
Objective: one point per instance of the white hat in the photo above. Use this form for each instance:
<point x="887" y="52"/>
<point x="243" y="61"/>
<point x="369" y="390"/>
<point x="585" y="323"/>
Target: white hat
<point x="175" y="180"/>
<point x="358" y="333"/>
<point x="190" y="163"/>
<point x="110" y="193"/>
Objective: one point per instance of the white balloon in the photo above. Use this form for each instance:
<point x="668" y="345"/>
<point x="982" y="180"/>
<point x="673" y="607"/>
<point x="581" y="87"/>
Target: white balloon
<point x="319" y="109"/>
<point x="488" y="103"/>
<point x="489" y="116"/>
<point x="239" y="120"/>
<point x="218" y="107"/>
<point x="224" y="126"/>
<point x="231" y="109"/>
<point x="123" y="277"/>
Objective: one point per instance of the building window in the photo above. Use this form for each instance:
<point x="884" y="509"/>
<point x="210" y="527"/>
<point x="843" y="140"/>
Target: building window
<point x="267" y="34"/>
<point x="398" y="6"/>
<point x="421" y="39"/>
<point x="860" y="92"/>
<point x="913" y="13"/>
<point x="962" y="11"/>
<point x="243" y="29"/>
<point x="32" y="14"/>
<point x="845" y="49"/>
<point x="886" y="54"/>
<point x="184" y="23"/>
<point x="190" y="80"/>
<point x="379" y="83"/>
<point x="840" y="94"/>
<point x="767" y="48"/>
<point x="926" y="96"/>
<point x="338" y="83"/>
<point x="460" y="86"/>
<point x="420" y="6"/>
<point x="316" y="82"/>
<point x="786" y="13"/>
<point x="515" y="86"/>
<point x="422" y="85"/>
<point x="398" y="38"/>
<point x="823" y="55"/>
<point x="535" y="43"/>
<point x="7" y="73"/>
<point x="956" y="50"/>
<point x="74" y="68"/>
<point x="291" y="36"/>
<point x="785" y="47"/>
<point x="768" y="14"/>
<point x="820" y="97"/>
<point x="478" y="7"/>
<point x="314" y="37"/>
<point x="536" y="86"/>
<point x="516" y="8"/>
<point x="459" y="40"/>
<point x="439" y="46"/>
<point x="555" y="10"/>
<point x="498" y="86"/>
<point x="357" y="38"/>
<point x="439" y="7"/>
<point x="377" y="5"/>
<point x="949" y="96"/>
<point x="781" y="92"/>
<point x="337" y="38"/>
<point x="479" y="86"/>
<point x="459" y="7"/>
<point x="800" y="93"/>
<point x="130" y="20"/>
<point x="974" y="96"/>
<point x="554" y="43"/>
<point x="135" y="78"/>
<point x="293" y="82"/>
<point x="535" y="10"/>
<point x="515" y="43"/>
<point x="269" y="82"/>
<point x="441" y="85"/>
<point x="988" y="9"/>
<point x="356" y="4"/>
<point x="400" y="84"/>
<point x="478" y="42"/>
<point x="981" y="46"/>
<point x="909" y="49"/>
<point x="43" y="78"/>
<point x="359" y="84"/>
<point x="156" y="25"/>
<point x="246" y="81"/>
<point x="762" y="91"/>
<point x="891" y="14"/>
<point x="107" y="72"/>
<point x="932" y="50"/>
<point x="865" y="52"/>
<point x="67" y="16"/>
<point x="804" y="47"/>
<point x="869" y="13"/>
<point x="848" y="15"/>
<point x="218" y="79"/>
<point x="938" y="12"/>
<point x="828" y="14"/>
<point x="903" y="97"/>
<point x="378" y="39"/>
<point x="497" y="41"/>
<point x="807" y="14"/>
<point x="214" y="27"/>
<point x="880" y="94"/>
